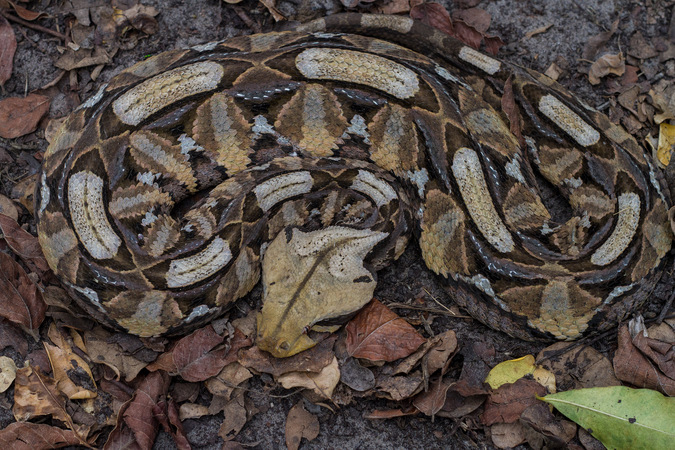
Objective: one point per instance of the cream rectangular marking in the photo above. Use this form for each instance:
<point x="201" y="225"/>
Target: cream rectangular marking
<point x="87" y="212"/>
<point x="150" y="96"/>
<point x="187" y="271"/>
<point x="478" y="59"/>
<point x="375" y="188"/>
<point x="568" y="120"/>
<point x="279" y="188"/>
<point x="358" y="67"/>
<point x="621" y="237"/>
<point x="468" y="172"/>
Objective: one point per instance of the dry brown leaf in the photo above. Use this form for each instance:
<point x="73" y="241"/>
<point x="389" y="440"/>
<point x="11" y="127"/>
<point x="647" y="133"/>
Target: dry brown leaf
<point x="507" y="403"/>
<point x="312" y="360"/>
<point x="83" y="57"/>
<point x="192" y="411"/>
<point x="31" y="436"/>
<point x="23" y="243"/>
<point x="236" y="416"/>
<point x="8" y="208"/>
<point x="22" y="301"/>
<point x="542" y="29"/>
<point x="605" y="65"/>
<point x="7" y="372"/>
<point x="24" y="191"/>
<point x="598" y="41"/>
<point x="20" y="116"/>
<point x="476" y="18"/>
<point x="542" y="427"/>
<point x="507" y="435"/>
<point x="322" y="383"/>
<point x="136" y="422"/>
<point x="226" y="382"/>
<point x="271" y="6"/>
<point x="102" y="350"/>
<point x="399" y="388"/>
<point x="433" y="400"/>
<point x="396" y="6"/>
<point x="7" y="50"/>
<point x="577" y="367"/>
<point x="390" y="413"/>
<point x="641" y="361"/>
<point x="461" y="399"/>
<point x="167" y="415"/>
<point x="12" y="336"/>
<point x="72" y="373"/>
<point x="36" y="394"/>
<point x="378" y="334"/>
<point x="24" y="13"/>
<point x="640" y="48"/>
<point x="199" y="355"/>
<point x="300" y="423"/>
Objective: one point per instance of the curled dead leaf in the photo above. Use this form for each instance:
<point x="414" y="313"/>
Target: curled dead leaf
<point x="666" y="144"/>
<point x="322" y="383"/>
<point x="605" y="65"/>
<point x="7" y="372"/>
<point x="30" y="436"/>
<point x="20" y="116"/>
<point x="22" y="301"/>
<point x="300" y="424"/>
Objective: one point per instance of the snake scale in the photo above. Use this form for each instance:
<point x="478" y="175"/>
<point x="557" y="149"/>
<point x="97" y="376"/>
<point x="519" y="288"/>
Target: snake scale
<point x="314" y="155"/>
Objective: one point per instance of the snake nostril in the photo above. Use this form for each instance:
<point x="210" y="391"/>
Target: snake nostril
<point x="284" y="346"/>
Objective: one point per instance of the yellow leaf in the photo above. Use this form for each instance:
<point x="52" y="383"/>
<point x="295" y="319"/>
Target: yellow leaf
<point x="321" y="383"/>
<point x="514" y="369"/>
<point x="65" y="361"/>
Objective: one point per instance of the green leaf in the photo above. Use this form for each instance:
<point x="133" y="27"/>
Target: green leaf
<point x="621" y="417"/>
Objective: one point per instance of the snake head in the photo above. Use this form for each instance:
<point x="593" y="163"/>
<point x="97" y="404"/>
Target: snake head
<point x="310" y="278"/>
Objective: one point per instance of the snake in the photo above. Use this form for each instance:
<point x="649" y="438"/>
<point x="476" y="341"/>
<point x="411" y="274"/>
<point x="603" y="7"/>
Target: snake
<point x="311" y="157"/>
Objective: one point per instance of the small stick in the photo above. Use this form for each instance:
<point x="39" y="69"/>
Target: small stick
<point x="33" y="26"/>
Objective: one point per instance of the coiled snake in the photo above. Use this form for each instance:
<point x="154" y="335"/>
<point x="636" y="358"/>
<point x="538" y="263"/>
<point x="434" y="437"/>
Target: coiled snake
<point x="317" y="154"/>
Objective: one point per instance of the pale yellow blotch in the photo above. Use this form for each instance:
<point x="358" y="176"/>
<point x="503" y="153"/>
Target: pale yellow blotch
<point x="327" y="280"/>
<point x="381" y="192"/>
<point x="468" y="172"/>
<point x="279" y="188"/>
<point x="621" y="237"/>
<point x="558" y="315"/>
<point x="187" y="271"/>
<point x="358" y="67"/>
<point x="398" y="23"/>
<point x="87" y="212"/>
<point x="150" y="96"/>
<point x="568" y="120"/>
<point x="480" y="60"/>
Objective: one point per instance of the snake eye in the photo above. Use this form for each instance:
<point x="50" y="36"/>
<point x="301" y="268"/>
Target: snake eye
<point x="306" y="329"/>
<point x="285" y="346"/>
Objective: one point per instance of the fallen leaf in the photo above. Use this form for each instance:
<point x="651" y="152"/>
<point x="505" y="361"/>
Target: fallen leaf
<point x="545" y="429"/>
<point x="666" y="143"/>
<point x="226" y="382"/>
<point x="633" y="366"/>
<point x="7" y="372"/>
<point x="605" y="65"/>
<point x="507" y="403"/>
<point x="507" y="435"/>
<point x="462" y="399"/>
<point x="83" y="57"/>
<point x="433" y="400"/>
<point x="167" y="415"/>
<point x="399" y="388"/>
<point x="396" y="6"/>
<point x="322" y="383"/>
<point x="32" y="436"/>
<point x="356" y="376"/>
<point x="21" y="299"/>
<point x="7" y="50"/>
<point x="192" y="411"/>
<point x="476" y="18"/>
<point x="23" y="243"/>
<point x="510" y="371"/>
<point x="390" y="413"/>
<point x="300" y="424"/>
<point x="26" y="14"/>
<point x="12" y="336"/>
<point x="378" y="334"/>
<point x="312" y="360"/>
<point x="36" y="394"/>
<point x="638" y="47"/>
<point x="102" y="350"/>
<point x="577" y="367"/>
<point x="598" y="41"/>
<point x="620" y="417"/>
<point x="236" y="416"/>
<point x="20" y="116"/>
<point x="199" y="355"/>
<point x="72" y="374"/>
<point x="542" y="29"/>
<point x="24" y="191"/>
<point x="136" y="423"/>
<point x="8" y="208"/>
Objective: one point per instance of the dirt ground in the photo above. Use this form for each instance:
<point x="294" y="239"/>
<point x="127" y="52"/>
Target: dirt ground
<point x="186" y="23"/>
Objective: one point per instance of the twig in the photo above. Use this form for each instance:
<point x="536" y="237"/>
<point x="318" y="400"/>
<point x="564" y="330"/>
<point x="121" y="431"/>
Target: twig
<point x="32" y="25"/>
